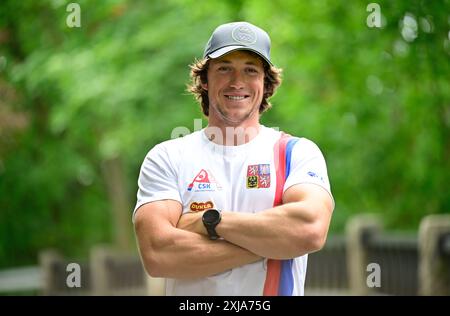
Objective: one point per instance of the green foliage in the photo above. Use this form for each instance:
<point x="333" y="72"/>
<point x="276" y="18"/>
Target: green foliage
<point x="376" y="104"/>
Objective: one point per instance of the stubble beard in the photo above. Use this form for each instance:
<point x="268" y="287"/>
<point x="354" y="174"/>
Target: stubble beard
<point x="232" y="121"/>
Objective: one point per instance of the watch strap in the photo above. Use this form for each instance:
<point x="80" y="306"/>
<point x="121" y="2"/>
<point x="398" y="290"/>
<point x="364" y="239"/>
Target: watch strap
<point x="212" y="232"/>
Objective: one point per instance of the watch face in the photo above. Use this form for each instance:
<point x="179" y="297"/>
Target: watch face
<point x="211" y="216"/>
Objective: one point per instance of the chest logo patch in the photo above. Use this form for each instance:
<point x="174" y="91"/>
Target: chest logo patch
<point x="204" y="181"/>
<point x="201" y="206"/>
<point x="258" y="176"/>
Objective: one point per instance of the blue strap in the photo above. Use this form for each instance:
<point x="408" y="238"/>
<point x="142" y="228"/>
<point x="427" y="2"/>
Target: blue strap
<point x="286" y="286"/>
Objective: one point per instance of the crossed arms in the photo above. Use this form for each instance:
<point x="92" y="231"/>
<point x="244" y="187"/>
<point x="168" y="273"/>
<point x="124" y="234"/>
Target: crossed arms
<point x="173" y="245"/>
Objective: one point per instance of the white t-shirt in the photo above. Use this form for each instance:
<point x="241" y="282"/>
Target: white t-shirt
<point x="201" y="174"/>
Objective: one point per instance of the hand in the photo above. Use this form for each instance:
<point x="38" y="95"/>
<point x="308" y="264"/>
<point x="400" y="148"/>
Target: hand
<point x="192" y="221"/>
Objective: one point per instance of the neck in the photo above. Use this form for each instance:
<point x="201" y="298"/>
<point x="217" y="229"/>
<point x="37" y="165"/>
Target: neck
<point x="229" y="135"/>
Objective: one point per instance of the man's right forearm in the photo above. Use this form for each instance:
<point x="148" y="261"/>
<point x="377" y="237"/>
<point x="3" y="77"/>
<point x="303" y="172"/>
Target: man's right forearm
<point x="183" y="254"/>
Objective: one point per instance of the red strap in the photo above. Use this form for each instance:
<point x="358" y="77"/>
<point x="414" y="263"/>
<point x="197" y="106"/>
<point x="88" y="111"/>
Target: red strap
<point x="274" y="266"/>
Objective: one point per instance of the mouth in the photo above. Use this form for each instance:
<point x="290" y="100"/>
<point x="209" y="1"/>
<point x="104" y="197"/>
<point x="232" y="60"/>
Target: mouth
<point x="236" y="97"/>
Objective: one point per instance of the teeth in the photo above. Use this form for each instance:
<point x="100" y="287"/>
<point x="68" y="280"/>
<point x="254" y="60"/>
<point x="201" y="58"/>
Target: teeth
<point x="231" y="97"/>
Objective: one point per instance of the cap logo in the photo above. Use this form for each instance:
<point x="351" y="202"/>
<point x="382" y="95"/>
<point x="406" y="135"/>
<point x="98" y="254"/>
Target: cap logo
<point x="244" y="35"/>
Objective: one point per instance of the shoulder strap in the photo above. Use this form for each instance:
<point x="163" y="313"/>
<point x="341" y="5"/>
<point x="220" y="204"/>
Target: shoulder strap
<point x="279" y="278"/>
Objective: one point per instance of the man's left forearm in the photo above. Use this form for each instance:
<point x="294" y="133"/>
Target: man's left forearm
<point x="283" y="232"/>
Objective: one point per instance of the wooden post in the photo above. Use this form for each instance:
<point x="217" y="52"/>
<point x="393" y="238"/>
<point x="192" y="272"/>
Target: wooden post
<point x="358" y="229"/>
<point x="434" y="266"/>
<point x="49" y="259"/>
<point x="99" y="256"/>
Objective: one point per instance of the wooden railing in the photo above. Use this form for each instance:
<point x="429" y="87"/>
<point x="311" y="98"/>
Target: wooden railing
<point x="408" y="265"/>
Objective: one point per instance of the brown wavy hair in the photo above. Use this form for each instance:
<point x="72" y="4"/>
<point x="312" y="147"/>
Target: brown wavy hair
<point x="198" y="75"/>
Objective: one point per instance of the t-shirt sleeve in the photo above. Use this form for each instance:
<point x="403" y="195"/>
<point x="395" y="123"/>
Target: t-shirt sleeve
<point x="308" y="166"/>
<point x="157" y="178"/>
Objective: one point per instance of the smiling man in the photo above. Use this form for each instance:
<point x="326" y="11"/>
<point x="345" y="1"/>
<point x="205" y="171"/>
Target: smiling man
<point x="235" y="89"/>
<point x="235" y="208"/>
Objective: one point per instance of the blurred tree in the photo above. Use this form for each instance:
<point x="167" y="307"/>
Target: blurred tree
<point x="80" y="107"/>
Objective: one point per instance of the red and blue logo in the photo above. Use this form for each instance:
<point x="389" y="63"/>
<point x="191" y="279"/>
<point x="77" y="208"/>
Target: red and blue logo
<point x="258" y="176"/>
<point x="204" y="181"/>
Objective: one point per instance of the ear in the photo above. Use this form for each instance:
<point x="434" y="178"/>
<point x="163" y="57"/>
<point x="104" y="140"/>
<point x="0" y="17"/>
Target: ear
<point x="205" y="86"/>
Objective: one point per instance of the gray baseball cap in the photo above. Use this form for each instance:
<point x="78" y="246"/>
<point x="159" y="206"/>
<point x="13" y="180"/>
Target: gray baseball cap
<point x="238" y="36"/>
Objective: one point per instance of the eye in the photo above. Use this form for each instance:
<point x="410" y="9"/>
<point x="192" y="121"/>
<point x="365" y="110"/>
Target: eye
<point x="223" y="68"/>
<point x="252" y="71"/>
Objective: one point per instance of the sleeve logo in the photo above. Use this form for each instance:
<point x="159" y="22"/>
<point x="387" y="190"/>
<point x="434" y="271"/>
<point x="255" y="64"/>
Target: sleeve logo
<point x="315" y="175"/>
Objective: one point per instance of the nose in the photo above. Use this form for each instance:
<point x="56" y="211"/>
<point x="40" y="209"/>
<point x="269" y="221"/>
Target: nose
<point x="237" y="80"/>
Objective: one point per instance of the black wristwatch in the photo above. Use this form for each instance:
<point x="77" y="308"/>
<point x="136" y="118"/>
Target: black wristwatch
<point x="211" y="218"/>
